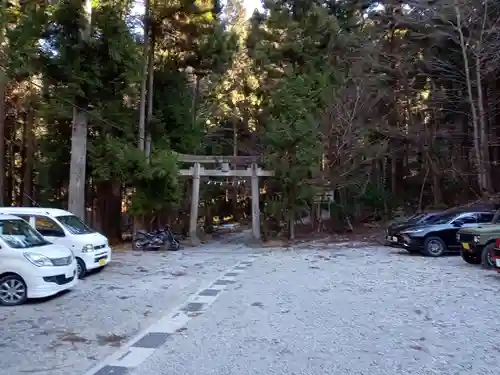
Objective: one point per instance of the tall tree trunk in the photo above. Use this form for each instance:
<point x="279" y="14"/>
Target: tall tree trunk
<point x="3" y="89"/>
<point x="108" y="204"/>
<point x="483" y="131"/>
<point x="10" y="173"/>
<point x="76" y="198"/>
<point x="235" y="187"/>
<point x="151" y="74"/>
<point x="436" y="183"/>
<point x="28" y="156"/>
<point x="78" y="164"/>
<point x="144" y="80"/>
<point x="394" y="180"/>
<point x="468" y="80"/>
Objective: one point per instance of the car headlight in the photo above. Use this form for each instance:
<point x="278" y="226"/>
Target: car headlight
<point x="476" y="239"/>
<point x="411" y="231"/>
<point x="38" y="260"/>
<point x="87" y="248"/>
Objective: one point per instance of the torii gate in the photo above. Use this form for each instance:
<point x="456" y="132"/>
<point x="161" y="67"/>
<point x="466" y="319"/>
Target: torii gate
<point x="197" y="171"/>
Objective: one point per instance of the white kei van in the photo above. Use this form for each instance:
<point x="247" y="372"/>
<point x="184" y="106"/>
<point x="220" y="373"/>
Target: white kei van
<point x="61" y="227"/>
<point x="31" y="266"/>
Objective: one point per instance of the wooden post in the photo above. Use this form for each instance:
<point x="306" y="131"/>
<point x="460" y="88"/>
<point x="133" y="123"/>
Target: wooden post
<point x="255" y="203"/>
<point x="195" y="199"/>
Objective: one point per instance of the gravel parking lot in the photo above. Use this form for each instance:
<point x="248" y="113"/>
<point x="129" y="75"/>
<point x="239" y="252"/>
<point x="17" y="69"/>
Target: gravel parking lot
<point x="71" y="332"/>
<point x="343" y="311"/>
<point x="317" y="310"/>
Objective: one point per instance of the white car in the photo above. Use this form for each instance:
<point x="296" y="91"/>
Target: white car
<point x="31" y="266"/>
<point x="61" y="227"/>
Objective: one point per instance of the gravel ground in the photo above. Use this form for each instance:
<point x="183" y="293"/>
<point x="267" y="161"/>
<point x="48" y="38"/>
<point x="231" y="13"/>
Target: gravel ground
<point x="68" y="334"/>
<point x="343" y="311"/>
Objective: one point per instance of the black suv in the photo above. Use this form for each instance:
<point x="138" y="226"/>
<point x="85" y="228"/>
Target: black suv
<point x="393" y="232"/>
<point x="439" y="235"/>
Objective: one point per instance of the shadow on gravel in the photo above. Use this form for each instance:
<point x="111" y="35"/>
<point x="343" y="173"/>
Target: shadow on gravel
<point x="39" y="301"/>
<point x="407" y="253"/>
<point x="493" y="275"/>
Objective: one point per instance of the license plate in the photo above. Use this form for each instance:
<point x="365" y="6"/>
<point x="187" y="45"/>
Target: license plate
<point x="498" y="262"/>
<point x="394" y="239"/>
<point x="465" y="245"/>
<point x="102" y="262"/>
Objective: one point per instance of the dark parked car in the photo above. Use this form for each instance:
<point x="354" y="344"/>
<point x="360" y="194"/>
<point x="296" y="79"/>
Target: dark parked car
<point x="439" y="235"/>
<point x="478" y="242"/>
<point x="393" y="232"/>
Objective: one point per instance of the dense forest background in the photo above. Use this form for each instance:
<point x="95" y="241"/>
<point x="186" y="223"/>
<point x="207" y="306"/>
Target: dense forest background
<point x="377" y="104"/>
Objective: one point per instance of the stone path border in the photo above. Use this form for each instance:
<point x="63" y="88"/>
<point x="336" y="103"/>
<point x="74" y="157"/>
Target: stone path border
<point x="143" y="345"/>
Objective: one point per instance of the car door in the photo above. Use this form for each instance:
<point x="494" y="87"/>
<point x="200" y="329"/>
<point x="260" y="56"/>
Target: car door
<point x="49" y="229"/>
<point x="468" y="221"/>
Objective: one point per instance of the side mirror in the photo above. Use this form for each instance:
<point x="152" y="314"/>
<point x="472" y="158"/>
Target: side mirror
<point x="458" y="223"/>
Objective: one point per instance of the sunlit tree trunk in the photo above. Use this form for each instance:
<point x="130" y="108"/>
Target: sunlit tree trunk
<point x="78" y="164"/>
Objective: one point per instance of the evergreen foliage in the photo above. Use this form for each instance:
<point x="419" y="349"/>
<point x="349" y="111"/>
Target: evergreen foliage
<point x="374" y="103"/>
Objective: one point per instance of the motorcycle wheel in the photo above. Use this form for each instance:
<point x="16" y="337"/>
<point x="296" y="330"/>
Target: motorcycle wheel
<point x="174" y="246"/>
<point x="137" y="245"/>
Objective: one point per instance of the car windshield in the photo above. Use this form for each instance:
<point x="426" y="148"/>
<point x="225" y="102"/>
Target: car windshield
<point x="429" y="217"/>
<point x="74" y="225"/>
<point x="443" y="219"/>
<point x="415" y="218"/>
<point x="18" y="234"/>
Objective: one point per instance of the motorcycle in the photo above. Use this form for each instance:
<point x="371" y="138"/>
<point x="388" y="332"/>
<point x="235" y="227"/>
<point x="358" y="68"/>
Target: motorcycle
<point x="155" y="240"/>
<point x="146" y="241"/>
<point x="167" y="236"/>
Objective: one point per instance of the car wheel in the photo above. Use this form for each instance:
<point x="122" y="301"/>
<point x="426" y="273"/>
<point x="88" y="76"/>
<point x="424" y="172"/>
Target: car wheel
<point x="434" y="247"/>
<point x="81" y="269"/>
<point x="486" y="259"/>
<point x="13" y="290"/>
<point x="469" y="257"/>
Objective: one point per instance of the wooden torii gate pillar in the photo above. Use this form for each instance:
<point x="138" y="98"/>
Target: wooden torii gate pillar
<point x="197" y="171"/>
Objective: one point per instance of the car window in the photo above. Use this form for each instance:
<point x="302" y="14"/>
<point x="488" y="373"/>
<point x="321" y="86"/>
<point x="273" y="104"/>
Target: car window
<point x="74" y="225"/>
<point x="485" y="217"/>
<point x="18" y="234"/>
<point x="469" y="219"/>
<point x="24" y="217"/>
<point x="443" y="219"/>
<point x="48" y="227"/>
